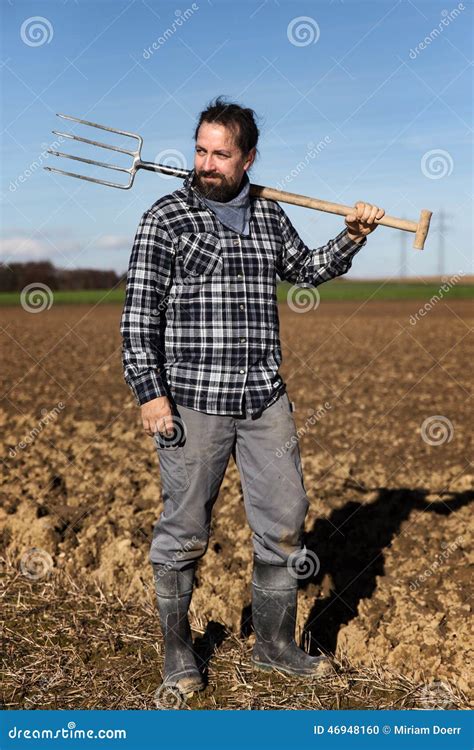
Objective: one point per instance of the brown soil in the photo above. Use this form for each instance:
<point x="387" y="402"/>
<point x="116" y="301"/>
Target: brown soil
<point x="389" y="517"/>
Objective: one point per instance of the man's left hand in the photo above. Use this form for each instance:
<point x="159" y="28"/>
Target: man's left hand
<point x="361" y="221"/>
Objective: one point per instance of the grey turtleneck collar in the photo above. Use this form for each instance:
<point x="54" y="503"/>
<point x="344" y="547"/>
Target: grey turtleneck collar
<point x="235" y="213"/>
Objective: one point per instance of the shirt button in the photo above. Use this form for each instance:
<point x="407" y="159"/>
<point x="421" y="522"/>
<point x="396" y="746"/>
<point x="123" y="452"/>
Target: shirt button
<point x="242" y="339"/>
<point x="242" y="372"/>
<point x="240" y="276"/>
<point x="236" y="242"/>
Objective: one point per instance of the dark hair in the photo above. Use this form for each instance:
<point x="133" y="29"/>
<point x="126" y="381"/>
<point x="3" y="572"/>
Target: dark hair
<point x="240" y="119"/>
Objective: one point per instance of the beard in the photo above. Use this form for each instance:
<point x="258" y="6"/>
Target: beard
<point x="219" y="189"/>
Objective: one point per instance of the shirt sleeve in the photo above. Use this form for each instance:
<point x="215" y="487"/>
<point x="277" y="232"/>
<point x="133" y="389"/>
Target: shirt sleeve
<point x="143" y="318"/>
<point x="302" y="265"/>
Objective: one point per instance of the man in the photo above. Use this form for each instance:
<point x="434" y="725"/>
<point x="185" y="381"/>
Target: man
<point x="201" y="354"/>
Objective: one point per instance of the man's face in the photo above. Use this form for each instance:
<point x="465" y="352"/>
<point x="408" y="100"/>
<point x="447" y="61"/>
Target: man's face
<point x="218" y="162"/>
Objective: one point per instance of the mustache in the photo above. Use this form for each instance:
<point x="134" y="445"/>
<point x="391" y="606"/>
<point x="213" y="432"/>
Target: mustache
<point x="210" y="174"/>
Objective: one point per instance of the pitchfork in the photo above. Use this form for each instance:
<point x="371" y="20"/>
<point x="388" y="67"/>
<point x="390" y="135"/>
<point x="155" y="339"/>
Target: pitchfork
<point x="419" y="228"/>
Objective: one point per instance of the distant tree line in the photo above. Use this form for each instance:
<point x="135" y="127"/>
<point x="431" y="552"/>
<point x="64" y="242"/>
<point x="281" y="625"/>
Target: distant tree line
<point x="15" y="276"/>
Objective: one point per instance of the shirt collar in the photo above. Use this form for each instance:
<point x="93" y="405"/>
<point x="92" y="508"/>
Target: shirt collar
<point x="194" y="198"/>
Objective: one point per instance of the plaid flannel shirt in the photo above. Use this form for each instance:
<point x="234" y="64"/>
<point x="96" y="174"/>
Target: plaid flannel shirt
<point x="200" y="319"/>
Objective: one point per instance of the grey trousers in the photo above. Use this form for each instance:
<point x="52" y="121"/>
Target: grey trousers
<point x="267" y="455"/>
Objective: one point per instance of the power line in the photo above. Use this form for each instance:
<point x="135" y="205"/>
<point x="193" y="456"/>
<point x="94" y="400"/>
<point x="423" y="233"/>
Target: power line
<point x="442" y="228"/>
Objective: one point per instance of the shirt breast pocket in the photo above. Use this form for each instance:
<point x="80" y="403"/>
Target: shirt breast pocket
<point x="200" y="254"/>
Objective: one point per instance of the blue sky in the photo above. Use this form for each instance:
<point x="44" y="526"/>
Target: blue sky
<point x="384" y="88"/>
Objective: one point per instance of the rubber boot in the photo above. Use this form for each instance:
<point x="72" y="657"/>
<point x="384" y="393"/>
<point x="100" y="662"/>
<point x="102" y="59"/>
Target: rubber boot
<point x="274" y="603"/>
<point x="174" y="590"/>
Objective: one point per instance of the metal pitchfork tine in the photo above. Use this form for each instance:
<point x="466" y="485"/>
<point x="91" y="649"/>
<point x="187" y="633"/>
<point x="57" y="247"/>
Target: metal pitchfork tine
<point x="137" y="161"/>
<point x="420" y="228"/>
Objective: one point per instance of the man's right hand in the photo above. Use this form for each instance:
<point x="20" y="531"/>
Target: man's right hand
<point x="157" y="416"/>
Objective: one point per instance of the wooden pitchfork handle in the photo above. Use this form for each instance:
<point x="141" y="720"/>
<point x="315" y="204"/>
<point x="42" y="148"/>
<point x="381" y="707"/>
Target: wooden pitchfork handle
<point x="419" y="228"/>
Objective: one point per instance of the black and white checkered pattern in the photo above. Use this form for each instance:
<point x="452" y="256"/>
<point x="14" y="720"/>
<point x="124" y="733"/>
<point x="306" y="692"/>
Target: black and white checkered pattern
<point x="200" y="320"/>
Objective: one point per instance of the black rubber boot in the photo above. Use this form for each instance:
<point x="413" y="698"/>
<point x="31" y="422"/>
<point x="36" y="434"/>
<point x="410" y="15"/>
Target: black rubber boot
<point x="274" y="602"/>
<point x="174" y="589"/>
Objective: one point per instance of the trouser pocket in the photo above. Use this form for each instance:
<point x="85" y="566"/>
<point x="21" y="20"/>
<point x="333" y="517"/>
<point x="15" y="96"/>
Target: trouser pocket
<point x="173" y="469"/>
